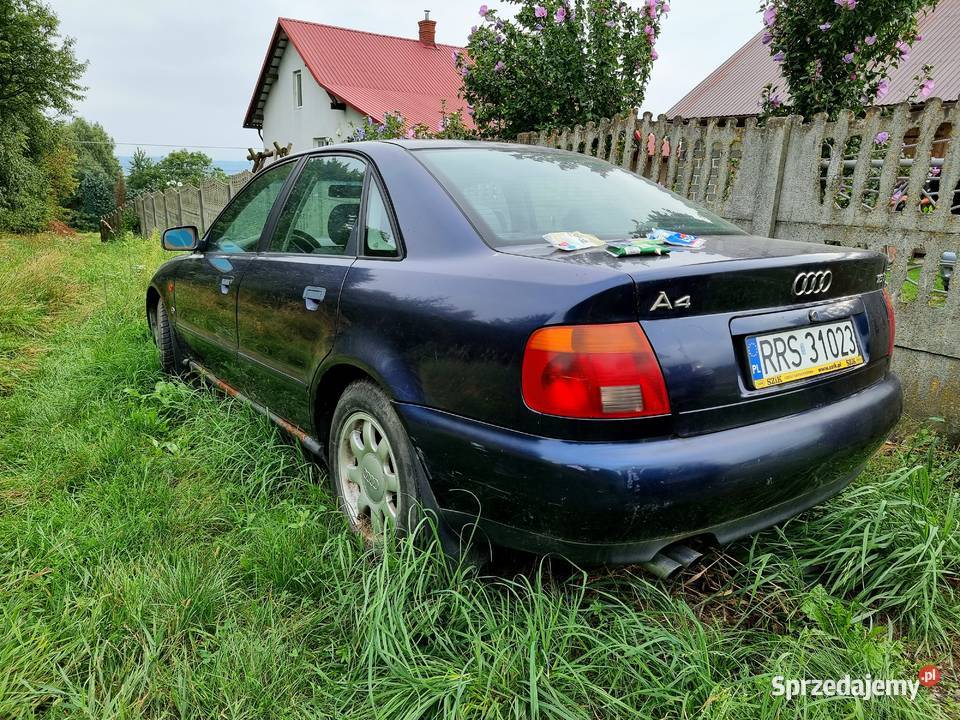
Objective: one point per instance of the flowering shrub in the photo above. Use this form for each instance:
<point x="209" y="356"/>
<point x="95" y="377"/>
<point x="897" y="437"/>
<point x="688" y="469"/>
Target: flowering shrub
<point x="839" y="54"/>
<point x="558" y="63"/>
<point x="449" y="127"/>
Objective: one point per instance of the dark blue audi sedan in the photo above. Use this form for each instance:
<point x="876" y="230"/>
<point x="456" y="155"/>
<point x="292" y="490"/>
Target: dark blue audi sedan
<point x="399" y="308"/>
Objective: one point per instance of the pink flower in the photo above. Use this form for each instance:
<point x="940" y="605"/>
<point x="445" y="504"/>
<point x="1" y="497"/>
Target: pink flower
<point x="881" y="138"/>
<point x="919" y="38"/>
<point x="499" y="66"/>
<point x="652" y="8"/>
<point x="904" y="50"/>
<point x="611" y="23"/>
<point x="767" y="38"/>
<point x="654" y="55"/>
<point x="561" y="14"/>
<point x="455" y="56"/>
<point x="848" y="58"/>
<point x="826" y="26"/>
<point x="770" y="16"/>
<point x="540" y="11"/>
<point x="664" y="8"/>
<point x="775" y="101"/>
<point x="871" y="40"/>
<point x="883" y="87"/>
<point x="927" y="87"/>
<point x="484" y="10"/>
<point x="848" y="4"/>
<point x="779" y="57"/>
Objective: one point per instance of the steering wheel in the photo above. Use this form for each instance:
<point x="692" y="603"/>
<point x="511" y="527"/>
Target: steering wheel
<point x="303" y="242"/>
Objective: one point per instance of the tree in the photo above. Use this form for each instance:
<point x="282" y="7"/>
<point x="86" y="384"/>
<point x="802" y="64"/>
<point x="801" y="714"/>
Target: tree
<point x="839" y="54"/>
<point x="558" y="63"/>
<point x="450" y="127"/>
<point x="38" y="68"/>
<point x="181" y="167"/>
<point x="38" y="74"/>
<point x="189" y="168"/>
<point x="95" y="148"/>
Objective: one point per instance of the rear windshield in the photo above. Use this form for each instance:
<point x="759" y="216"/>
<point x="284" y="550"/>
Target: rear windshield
<point x="516" y="196"/>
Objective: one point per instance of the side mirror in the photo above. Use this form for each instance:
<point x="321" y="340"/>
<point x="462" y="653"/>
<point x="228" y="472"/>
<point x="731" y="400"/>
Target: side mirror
<point x="181" y="238"/>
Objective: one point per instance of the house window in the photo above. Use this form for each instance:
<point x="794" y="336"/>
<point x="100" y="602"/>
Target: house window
<point x="321" y="142"/>
<point x="298" y="88"/>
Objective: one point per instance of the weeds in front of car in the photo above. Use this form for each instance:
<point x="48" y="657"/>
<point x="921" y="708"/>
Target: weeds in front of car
<point x="165" y="553"/>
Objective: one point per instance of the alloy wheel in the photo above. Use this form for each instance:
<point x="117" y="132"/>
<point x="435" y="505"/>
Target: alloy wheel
<point x="369" y="484"/>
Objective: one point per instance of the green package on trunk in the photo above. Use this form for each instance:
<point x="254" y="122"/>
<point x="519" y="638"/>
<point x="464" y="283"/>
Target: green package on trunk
<point x="637" y="247"/>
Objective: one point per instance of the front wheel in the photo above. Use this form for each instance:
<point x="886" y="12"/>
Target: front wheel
<point x="163" y="338"/>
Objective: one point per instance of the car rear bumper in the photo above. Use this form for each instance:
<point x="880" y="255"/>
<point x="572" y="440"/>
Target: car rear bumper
<point x="623" y="502"/>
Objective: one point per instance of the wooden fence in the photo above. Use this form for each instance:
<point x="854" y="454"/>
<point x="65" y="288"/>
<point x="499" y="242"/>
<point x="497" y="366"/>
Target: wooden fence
<point x="187" y="205"/>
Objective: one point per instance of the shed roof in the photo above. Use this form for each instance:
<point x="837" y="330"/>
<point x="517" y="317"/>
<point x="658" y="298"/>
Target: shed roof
<point x="373" y="73"/>
<point x="734" y="88"/>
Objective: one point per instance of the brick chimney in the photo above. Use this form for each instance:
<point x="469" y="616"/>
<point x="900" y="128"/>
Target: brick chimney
<point x="428" y="30"/>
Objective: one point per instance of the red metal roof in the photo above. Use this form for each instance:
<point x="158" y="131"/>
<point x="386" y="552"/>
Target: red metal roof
<point x="735" y="87"/>
<point x="375" y="74"/>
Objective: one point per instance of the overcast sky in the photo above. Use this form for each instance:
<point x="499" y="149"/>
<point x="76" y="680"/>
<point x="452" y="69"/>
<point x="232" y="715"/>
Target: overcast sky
<point x="181" y="72"/>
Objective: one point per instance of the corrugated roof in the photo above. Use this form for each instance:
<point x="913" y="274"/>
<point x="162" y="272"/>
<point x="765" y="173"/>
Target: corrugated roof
<point x="735" y="87"/>
<point x="373" y="73"/>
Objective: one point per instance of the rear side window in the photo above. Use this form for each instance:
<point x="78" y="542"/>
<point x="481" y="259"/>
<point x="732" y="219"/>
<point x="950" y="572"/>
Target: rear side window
<point x="320" y="215"/>
<point x="379" y="237"/>
<point x="516" y="196"/>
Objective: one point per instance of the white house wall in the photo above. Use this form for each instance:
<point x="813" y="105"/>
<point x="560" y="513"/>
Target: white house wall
<point x="283" y="122"/>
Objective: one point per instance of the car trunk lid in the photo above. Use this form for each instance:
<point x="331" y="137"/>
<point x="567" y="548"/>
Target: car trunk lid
<point x="699" y="306"/>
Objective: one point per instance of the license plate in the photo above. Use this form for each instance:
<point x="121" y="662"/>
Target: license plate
<point x="784" y="357"/>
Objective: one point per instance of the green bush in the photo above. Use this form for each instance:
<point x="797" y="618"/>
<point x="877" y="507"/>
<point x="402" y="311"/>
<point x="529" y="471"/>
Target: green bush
<point x="95" y="199"/>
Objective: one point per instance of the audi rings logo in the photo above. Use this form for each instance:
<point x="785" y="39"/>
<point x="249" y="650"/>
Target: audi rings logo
<point x="812" y="283"/>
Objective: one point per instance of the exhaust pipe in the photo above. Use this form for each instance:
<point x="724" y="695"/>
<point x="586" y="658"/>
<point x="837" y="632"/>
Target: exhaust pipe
<point x="661" y="566"/>
<point x="683" y="554"/>
<point x="671" y="559"/>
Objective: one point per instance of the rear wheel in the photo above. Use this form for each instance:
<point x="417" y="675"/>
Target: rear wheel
<point x="163" y="337"/>
<point x="375" y="471"/>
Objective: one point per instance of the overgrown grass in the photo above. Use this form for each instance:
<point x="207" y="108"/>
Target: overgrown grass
<point x="164" y="553"/>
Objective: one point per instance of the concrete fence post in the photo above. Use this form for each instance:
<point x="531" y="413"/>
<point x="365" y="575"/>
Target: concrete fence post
<point x="770" y="187"/>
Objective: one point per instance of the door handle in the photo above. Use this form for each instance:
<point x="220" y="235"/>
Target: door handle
<point x="313" y="296"/>
<point x="225" y="285"/>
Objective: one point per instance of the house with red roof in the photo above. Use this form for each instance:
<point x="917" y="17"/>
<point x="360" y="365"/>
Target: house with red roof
<point x="734" y="89"/>
<point x="318" y="83"/>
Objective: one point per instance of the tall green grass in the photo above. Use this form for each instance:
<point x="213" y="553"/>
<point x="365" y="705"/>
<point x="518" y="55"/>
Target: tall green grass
<point x="165" y="553"/>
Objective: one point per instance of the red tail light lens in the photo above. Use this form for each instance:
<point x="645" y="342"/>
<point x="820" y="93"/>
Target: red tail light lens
<point x="892" y="321"/>
<point x="593" y="371"/>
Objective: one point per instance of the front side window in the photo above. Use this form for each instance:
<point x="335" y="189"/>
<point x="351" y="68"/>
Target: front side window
<point x="239" y="227"/>
<point x="320" y="215"/>
<point x="379" y="239"/>
<point x="516" y="196"/>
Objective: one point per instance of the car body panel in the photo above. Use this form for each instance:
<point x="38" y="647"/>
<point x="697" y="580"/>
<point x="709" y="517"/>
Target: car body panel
<point x="442" y="330"/>
<point x="282" y="335"/>
<point x="622" y="502"/>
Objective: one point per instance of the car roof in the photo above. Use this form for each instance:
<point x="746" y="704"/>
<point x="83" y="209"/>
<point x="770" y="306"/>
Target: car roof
<point x="371" y="146"/>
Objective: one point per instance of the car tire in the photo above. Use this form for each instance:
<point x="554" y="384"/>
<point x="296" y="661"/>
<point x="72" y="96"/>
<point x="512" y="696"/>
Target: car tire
<point x="163" y="337"/>
<point x="376" y="474"/>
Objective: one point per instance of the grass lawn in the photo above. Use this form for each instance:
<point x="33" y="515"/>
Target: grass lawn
<point x="165" y="553"/>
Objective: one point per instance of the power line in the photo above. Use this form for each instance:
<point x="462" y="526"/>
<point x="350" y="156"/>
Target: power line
<point x="138" y="144"/>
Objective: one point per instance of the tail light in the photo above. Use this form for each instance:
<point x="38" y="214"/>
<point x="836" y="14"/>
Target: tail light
<point x="593" y="371"/>
<point x="892" y="321"/>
